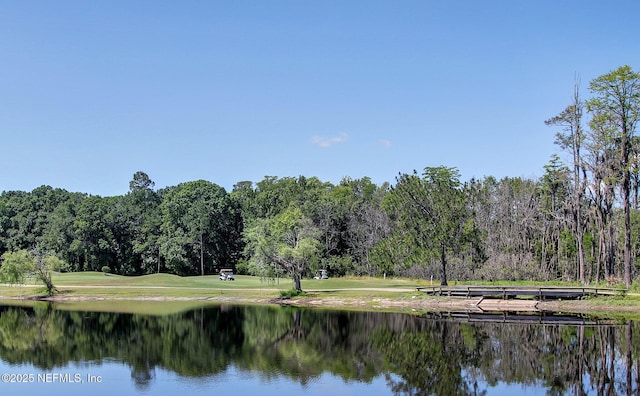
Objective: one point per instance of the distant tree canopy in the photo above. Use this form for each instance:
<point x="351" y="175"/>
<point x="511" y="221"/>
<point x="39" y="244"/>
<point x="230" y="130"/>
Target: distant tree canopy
<point x="201" y="224"/>
<point x="579" y="221"/>
<point x="434" y="208"/>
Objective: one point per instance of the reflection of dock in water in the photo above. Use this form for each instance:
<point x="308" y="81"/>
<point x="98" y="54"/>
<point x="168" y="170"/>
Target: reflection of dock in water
<point x="546" y="318"/>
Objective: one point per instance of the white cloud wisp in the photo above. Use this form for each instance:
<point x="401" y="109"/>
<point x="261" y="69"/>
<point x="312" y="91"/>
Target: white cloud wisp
<point x="322" y="141"/>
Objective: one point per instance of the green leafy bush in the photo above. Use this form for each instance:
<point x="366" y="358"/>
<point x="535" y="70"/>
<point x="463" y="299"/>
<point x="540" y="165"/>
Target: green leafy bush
<point x="291" y="293"/>
<point x="242" y="267"/>
<point x="16" y="266"/>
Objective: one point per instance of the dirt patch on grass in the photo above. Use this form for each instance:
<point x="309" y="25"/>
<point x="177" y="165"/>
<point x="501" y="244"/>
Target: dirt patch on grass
<point x="378" y="302"/>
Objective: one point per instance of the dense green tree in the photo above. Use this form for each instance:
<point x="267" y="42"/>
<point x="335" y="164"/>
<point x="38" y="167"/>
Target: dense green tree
<point x="365" y="223"/>
<point x="244" y="197"/>
<point x="60" y="233"/>
<point x="144" y="221"/>
<point x="274" y="195"/>
<point x="25" y="217"/>
<point x="102" y="235"/>
<point x="554" y="206"/>
<point x="434" y="208"/>
<point x="617" y="99"/>
<point x="16" y="266"/>
<point x="12" y="207"/>
<point x="141" y="182"/>
<point x="200" y="228"/>
<point x="285" y="243"/>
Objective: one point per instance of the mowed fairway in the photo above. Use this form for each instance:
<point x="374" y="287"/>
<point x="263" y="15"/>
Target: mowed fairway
<point x="97" y="284"/>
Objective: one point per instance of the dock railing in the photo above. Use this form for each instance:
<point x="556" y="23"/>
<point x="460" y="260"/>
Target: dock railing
<point x="506" y="292"/>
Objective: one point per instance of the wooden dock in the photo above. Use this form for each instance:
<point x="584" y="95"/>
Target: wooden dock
<point x="520" y="292"/>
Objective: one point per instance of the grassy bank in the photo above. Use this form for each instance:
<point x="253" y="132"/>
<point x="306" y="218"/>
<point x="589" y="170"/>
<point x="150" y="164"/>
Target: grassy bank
<point x="361" y="293"/>
<point x="96" y="284"/>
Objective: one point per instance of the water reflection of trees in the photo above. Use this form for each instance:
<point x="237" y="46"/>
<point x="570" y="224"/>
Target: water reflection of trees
<point x="418" y="356"/>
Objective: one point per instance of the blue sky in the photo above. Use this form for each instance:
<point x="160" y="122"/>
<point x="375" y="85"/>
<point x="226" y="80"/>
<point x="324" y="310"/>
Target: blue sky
<point x="227" y="91"/>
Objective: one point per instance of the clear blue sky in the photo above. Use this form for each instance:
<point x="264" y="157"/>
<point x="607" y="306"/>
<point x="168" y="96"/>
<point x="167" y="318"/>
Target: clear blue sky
<point x="226" y="91"/>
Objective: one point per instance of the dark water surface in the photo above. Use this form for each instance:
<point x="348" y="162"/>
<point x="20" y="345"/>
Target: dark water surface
<point x="258" y="350"/>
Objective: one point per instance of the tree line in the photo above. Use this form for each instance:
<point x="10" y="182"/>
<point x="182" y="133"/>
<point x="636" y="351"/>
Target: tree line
<point x="578" y="222"/>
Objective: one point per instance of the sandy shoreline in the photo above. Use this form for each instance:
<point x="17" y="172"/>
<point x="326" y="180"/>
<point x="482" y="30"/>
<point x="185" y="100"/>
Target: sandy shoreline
<point x="375" y="303"/>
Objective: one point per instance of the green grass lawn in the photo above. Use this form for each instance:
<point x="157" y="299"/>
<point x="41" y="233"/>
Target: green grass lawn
<point x="154" y="280"/>
<point x="85" y="279"/>
<point x="97" y="284"/>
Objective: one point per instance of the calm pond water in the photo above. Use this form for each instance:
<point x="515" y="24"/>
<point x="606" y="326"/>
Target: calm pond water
<point x="240" y="350"/>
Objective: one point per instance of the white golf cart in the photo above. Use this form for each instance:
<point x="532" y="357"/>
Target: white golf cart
<point x="226" y="275"/>
<point x="322" y="274"/>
